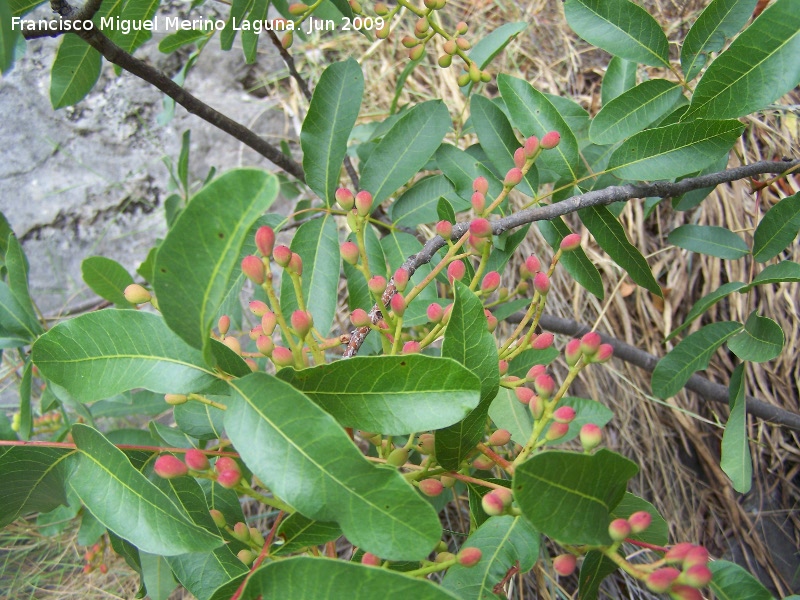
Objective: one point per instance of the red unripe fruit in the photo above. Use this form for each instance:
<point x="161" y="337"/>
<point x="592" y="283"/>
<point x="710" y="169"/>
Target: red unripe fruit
<point x="197" y="460"/>
<point x="477" y="243"/>
<point x="543" y="341"/>
<point x="255" y="536"/>
<point x="541" y="283"/>
<point x="513" y="177"/>
<point x="287" y="40"/>
<point x="461" y="27"/>
<point x="370" y="560"/>
<point x="531" y="146"/>
<point x="377" y="284"/>
<point x="421" y="26"/>
<point x="381" y="9"/>
<point x="550" y="140"/>
<point x="519" y="158"/>
<point x="493" y="505"/>
<point x="478" y="201"/>
<point x="480" y="228"/>
<point x="229" y="479"/>
<point x="295" y="264"/>
<point x="619" y="529"/>
<point x="481" y="185"/>
<point x="469" y="557"/>
<point x="431" y="487"/>
<point x="683" y="592"/>
<point x="604" y="353"/>
<point x="435" y="312"/>
<point x="301" y="322"/>
<point x="226" y="463"/>
<point x="252" y="364"/>
<point x="450" y="47"/>
<point x="447" y="311"/>
<point x="591" y="436"/>
<point x="443" y="557"/>
<point x="455" y="271"/>
<point x="696" y="576"/>
<point x="529" y="267"/>
<point x="360" y="318"/>
<point x="565" y="564"/>
<point x="258" y="308"/>
<point x="265" y="240"/>
<point x="409" y="42"/>
<point x="241" y="532"/>
<point x="268" y="323"/>
<point x="537" y="406"/>
<point x="535" y="371"/>
<point x="233" y="343"/>
<point x="398" y="304"/>
<point x="297" y="8"/>
<point x="640" y="521"/>
<point x="282" y="356"/>
<point x="556" y="431"/>
<point x="136" y="294"/>
<point x="483" y="463"/>
<point x="660" y="580"/>
<point x="502" y="365"/>
<point x="345" y="198"/>
<point x="103" y="568"/>
<point x="678" y="552"/>
<point x="169" y="467"/>
<point x="256" y="332"/>
<point x="523" y="394"/>
<point x="463" y="44"/>
<point x="349" y="253"/>
<point x="246" y="556"/>
<point x="695" y="556"/>
<point x="590" y="343"/>
<point x="253" y="269"/>
<point x="265" y="345"/>
<point x="411" y="347"/>
<point x="444" y="229"/>
<point x="544" y="385"/>
<point x="572" y="351"/>
<point x="564" y="414"/>
<point x="426" y="443"/>
<point x="282" y="255"/>
<point x="571" y="242"/>
<point x="364" y="198"/>
<point x="218" y="517"/>
<point x="448" y="482"/>
<point x="500" y="437"/>
<point x="175" y="399"/>
<point x="400" y="279"/>
<point x="224" y="324"/>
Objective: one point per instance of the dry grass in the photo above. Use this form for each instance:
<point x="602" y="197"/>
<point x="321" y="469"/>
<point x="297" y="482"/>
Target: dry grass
<point x="676" y="443"/>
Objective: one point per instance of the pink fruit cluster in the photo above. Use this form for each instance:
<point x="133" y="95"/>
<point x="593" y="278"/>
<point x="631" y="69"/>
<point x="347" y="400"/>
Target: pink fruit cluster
<point x="687" y="572"/>
<point x="256" y="268"/>
<point x="226" y="470"/>
<point x="590" y="348"/>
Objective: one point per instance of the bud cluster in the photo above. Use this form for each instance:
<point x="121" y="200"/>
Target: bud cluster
<point x="94" y="558"/>
<point x="226" y="471"/>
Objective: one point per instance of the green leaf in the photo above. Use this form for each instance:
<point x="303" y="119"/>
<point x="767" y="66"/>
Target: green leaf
<point x="732" y="582"/>
<point x="633" y="110"/>
<point x="710" y="240"/>
<point x="317" y="243"/>
<point x="786" y="271"/>
<point x="498" y="140"/>
<point x="8" y="38"/>
<point x="491" y="45"/>
<point x="576" y="262"/>
<point x="199" y="420"/>
<point x="156" y="576"/>
<point x="305" y="457"/>
<point x="326" y="579"/>
<point x="533" y="114"/>
<point x="250" y="38"/>
<point x="123" y="500"/>
<point x="595" y="567"/>
<point x="25" y="416"/>
<point x="720" y="21"/>
<point x="459" y="167"/>
<point x="107" y="278"/>
<point x="706" y="302"/>
<point x="200" y="254"/>
<point x="76" y="69"/>
<point x="326" y="128"/>
<point x="690" y="355"/>
<point x="16" y="327"/>
<point x="569" y="496"/>
<point x="509" y="413"/>
<point x="135" y="11"/>
<point x="673" y="150"/>
<point x="620" y="76"/>
<point x="203" y="572"/>
<point x="467" y="340"/>
<point x="17" y="266"/>
<point x="180" y="38"/>
<point x="299" y="532"/>
<point x="33" y="480"/>
<point x="658" y="531"/>
<point x="621" y="28"/>
<point x="777" y="229"/>
<point x="88" y="356"/>
<point x="393" y="395"/>
<point x="418" y="204"/>
<point x="610" y="235"/>
<point x="20" y="7"/>
<point x="757" y="68"/>
<point x="761" y="340"/>
<point x="405" y="149"/>
<point x="736" y="461"/>
<point x="503" y="541"/>
<point x="587" y="411"/>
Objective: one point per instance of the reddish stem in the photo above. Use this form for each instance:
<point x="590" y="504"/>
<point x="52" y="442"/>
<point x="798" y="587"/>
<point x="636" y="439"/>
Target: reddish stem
<point x="474" y="480"/>
<point x="646" y="545"/>
<point x="262" y="555"/>
<point x="70" y="446"/>
<point x="504" y="464"/>
<point x="500" y="587"/>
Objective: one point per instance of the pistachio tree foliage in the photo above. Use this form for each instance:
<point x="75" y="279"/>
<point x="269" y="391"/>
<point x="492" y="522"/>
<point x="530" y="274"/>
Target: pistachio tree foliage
<point x="365" y="435"/>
